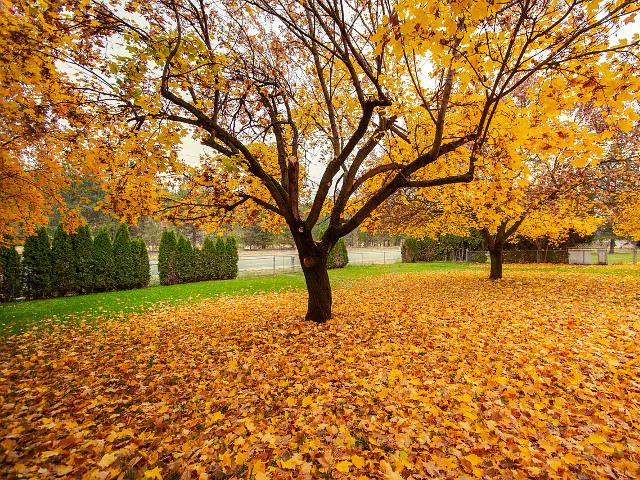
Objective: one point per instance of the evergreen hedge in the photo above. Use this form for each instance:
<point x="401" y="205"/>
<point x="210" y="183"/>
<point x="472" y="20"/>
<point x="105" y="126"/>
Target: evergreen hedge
<point x="141" y="267"/>
<point x="63" y="265"/>
<point x="102" y="267"/>
<point x="410" y="251"/>
<point x="10" y="283"/>
<point x="198" y="265"/>
<point x="82" y="246"/>
<point x="230" y="259"/>
<point x="36" y="265"/>
<point x="209" y="259"/>
<point x="167" y="258"/>
<point x="184" y="260"/>
<point x="338" y="257"/>
<point x="219" y="259"/>
<point x="123" y="264"/>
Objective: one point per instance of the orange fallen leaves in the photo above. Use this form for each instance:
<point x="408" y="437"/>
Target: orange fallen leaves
<point x="417" y="376"/>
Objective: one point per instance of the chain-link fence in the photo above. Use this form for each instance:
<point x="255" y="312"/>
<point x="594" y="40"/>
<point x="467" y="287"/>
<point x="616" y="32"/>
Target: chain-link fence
<point x="620" y="255"/>
<point x="268" y="265"/>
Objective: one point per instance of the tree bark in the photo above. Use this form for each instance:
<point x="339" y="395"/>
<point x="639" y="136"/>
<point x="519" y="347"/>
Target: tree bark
<point x="538" y="243"/>
<point x="496" y="263"/>
<point x="319" y="290"/>
<point x="612" y="246"/>
<point x="313" y="260"/>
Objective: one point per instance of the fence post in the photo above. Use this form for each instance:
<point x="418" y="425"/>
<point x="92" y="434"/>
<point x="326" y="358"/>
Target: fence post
<point x="384" y="258"/>
<point x="274" y="264"/>
<point x="293" y="268"/>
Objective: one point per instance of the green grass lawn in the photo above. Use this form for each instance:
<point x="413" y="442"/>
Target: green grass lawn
<point x="16" y="317"/>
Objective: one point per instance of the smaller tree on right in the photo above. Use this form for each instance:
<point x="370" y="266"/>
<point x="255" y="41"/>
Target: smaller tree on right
<point x="537" y="177"/>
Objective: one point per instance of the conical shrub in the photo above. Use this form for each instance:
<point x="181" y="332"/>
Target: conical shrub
<point x="167" y="258"/>
<point x="36" y="265"/>
<point x="230" y="257"/>
<point x="102" y="270"/>
<point x="184" y="260"/>
<point x="10" y="284"/>
<point x="82" y="246"/>
<point x="122" y="259"/>
<point x="63" y="265"/>
<point x="141" y="266"/>
<point x="209" y="259"/>
<point x="219" y="259"/>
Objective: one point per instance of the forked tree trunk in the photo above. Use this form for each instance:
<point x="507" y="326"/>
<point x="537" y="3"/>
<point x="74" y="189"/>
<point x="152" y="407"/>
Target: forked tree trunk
<point x="496" y="263"/>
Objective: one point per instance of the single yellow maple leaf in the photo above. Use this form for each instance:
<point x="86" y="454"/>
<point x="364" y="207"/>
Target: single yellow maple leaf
<point x="343" y="466"/>
<point x="593" y="439"/>
<point x="570" y="459"/>
<point x="306" y="401"/>
<point x="217" y="416"/>
<point x="154" y="473"/>
<point x="605" y="448"/>
<point x="291" y="463"/>
<point x="262" y="476"/>
<point x="473" y="459"/>
<point x="357" y="461"/>
<point x="106" y="460"/>
<point x="258" y="467"/>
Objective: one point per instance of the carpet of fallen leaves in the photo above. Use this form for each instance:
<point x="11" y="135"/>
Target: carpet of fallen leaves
<point x="418" y="376"/>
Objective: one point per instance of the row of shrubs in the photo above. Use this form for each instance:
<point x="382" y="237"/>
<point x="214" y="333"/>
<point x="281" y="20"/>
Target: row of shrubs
<point x="429" y="250"/>
<point x="73" y="264"/>
<point x="180" y="262"/>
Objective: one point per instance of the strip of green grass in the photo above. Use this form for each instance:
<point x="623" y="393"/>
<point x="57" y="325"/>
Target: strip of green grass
<point x="17" y="317"/>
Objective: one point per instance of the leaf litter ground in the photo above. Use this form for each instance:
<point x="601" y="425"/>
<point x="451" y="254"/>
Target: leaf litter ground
<point x="442" y="375"/>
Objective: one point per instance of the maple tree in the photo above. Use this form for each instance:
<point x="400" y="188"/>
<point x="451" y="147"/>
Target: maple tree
<point x="39" y="135"/>
<point x="539" y="180"/>
<point x="270" y="85"/>
<point x="484" y="380"/>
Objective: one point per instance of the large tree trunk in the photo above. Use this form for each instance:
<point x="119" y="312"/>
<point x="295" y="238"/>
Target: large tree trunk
<point x="496" y="263"/>
<point x="319" y="290"/>
<point x="314" y="266"/>
<point x="612" y="246"/>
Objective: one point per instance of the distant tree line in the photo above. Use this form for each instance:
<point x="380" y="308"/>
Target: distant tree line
<point x="73" y="264"/>
<point x="180" y="262"/>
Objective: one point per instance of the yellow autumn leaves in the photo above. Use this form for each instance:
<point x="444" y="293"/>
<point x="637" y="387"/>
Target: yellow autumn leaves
<point x="418" y="376"/>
